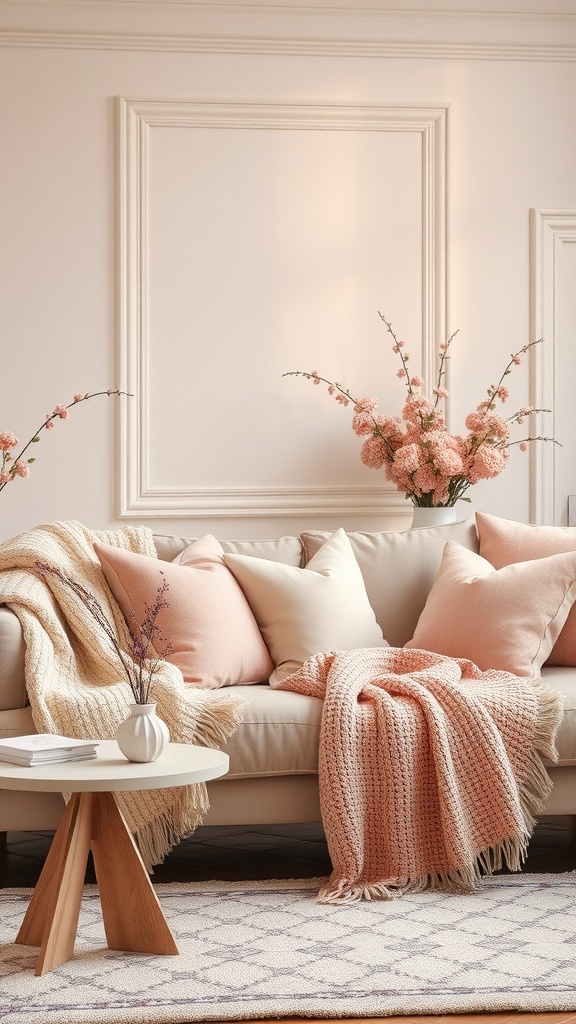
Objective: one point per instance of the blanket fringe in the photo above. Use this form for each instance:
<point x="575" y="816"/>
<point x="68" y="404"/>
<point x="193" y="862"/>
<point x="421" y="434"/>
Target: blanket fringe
<point x="537" y="785"/>
<point x="155" y="839"/>
<point x="212" y="717"/>
<point x="207" y="720"/>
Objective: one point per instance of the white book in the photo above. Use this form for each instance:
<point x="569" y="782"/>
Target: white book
<point x="57" y="758"/>
<point x="47" y="744"/>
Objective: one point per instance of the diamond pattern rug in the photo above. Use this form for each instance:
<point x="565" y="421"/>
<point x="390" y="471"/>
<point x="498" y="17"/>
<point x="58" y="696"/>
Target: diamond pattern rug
<point x="268" y="949"/>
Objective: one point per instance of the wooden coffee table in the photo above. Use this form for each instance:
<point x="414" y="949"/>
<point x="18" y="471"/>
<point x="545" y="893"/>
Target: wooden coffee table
<point x="133" y="917"/>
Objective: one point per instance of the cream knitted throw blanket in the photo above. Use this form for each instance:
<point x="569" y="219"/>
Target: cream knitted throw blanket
<point x="430" y="770"/>
<point x="74" y="680"/>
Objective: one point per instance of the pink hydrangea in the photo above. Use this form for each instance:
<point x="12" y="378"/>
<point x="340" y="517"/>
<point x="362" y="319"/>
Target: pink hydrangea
<point x="474" y="422"/>
<point x="61" y="411"/>
<point x="367" y="404"/>
<point x="425" y="479"/>
<point x="403" y="481"/>
<point x="373" y="452"/>
<point x="488" y="463"/>
<point x="448" y="461"/>
<point x="489" y="426"/>
<point x="8" y="440"/>
<point x="21" y="468"/>
<point x="362" y="423"/>
<point x="415" y="407"/>
<point x="390" y="427"/>
<point x="408" y="458"/>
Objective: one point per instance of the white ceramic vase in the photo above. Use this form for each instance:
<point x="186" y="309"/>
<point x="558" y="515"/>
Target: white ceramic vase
<point x="438" y="515"/>
<point x="143" y="735"/>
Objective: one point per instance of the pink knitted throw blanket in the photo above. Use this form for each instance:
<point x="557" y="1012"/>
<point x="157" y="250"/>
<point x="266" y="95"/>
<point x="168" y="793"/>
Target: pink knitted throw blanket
<point x="430" y="770"/>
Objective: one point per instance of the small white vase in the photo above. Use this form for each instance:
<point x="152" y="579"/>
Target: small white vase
<point x="434" y="515"/>
<point x="143" y="736"/>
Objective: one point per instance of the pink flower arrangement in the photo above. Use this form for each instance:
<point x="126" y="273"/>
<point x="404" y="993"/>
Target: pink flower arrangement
<point x="419" y="456"/>
<point x="11" y="465"/>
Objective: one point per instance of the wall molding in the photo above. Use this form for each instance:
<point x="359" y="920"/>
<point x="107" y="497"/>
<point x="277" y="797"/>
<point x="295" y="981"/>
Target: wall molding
<point x="138" y="496"/>
<point x="249" y="502"/>
<point x="550" y="232"/>
<point x="392" y="8"/>
<point x="364" y="48"/>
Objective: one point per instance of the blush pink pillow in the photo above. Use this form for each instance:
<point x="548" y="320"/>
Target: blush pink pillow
<point x="505" y="618"/>
<point x="215" y="637"/>
<point x="503" y="542"/>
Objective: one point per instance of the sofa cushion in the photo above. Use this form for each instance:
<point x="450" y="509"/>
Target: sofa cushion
<point x="399" y="570"/>
<point x="280" y="731"/>
<point x="323" y="607"/>
<point x="563" y="679"/>
<point x="503" y="542"/>
<point x="276" y="736"/>
<point x="214" y="637"/>
<point x="498" y="618"/>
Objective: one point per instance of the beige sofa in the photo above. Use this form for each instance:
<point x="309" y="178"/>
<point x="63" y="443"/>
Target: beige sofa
<point x="274" y="753"/>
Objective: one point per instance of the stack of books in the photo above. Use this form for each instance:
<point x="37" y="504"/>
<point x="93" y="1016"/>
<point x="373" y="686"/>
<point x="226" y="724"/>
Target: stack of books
<point x="45" y="748"/>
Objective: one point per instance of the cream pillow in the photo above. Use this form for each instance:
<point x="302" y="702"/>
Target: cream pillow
<point x="301" y="612"/>
<point x="503" y="542"/>
<point x="498" y="618"/>
<point x="214" y="636"/>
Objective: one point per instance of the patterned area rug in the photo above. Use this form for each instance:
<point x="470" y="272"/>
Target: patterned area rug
<point x="267" y="949"/>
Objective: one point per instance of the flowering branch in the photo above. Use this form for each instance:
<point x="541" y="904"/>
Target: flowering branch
<point x="13" y="466"/>
<point x="141" y="661"/>
<point x="418" y="454"/>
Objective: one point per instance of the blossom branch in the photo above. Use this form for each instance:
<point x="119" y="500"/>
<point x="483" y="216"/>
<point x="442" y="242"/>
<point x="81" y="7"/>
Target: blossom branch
<point x="397" y="347"/>
<point x="13" y="466"/>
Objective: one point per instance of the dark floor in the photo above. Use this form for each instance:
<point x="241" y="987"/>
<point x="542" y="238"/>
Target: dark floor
<point x="273" y="851"/>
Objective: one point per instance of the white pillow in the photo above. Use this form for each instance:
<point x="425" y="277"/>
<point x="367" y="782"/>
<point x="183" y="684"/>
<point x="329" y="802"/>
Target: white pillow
<point x="302" y="612"/>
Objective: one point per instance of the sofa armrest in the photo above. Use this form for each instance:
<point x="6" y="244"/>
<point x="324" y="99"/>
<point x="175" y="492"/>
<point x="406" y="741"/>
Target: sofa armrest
<point x="12" y="679"/>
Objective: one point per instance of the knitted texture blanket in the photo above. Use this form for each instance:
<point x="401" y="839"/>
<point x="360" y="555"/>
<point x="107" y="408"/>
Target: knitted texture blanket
<point x="430" y="770"/>
<point x="75" y="683"/>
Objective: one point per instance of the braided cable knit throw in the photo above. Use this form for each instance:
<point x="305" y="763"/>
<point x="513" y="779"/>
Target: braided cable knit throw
<point x="430" y="770"/>
<point x="75" y="683"/>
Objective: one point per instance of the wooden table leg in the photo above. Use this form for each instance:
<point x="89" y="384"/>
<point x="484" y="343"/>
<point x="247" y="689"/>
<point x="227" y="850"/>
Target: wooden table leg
<point x="133" y="917"/>
<point x="51" y="920"/>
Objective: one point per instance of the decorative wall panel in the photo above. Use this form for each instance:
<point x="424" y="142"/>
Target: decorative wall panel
<point x="255" y="237"/>
<point x="553" y="368"/>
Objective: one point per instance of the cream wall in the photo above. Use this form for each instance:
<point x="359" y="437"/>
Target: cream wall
<point x="197" y="198"/>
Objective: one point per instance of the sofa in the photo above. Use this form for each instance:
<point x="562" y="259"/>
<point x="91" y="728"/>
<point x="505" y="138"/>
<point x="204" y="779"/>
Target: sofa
<point x="273" y="777"/>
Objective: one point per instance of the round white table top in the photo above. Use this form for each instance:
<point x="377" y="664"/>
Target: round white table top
<point x="179" y="765"/>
